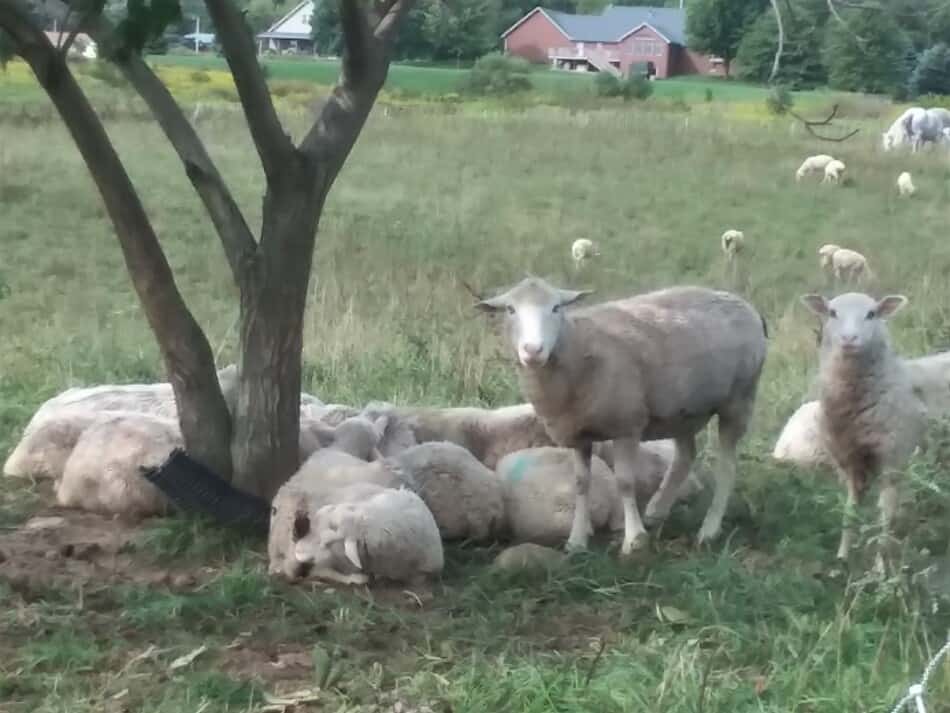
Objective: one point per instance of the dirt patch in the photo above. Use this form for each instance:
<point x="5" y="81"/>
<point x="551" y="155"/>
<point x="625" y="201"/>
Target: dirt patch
<point x="68" y="548"/>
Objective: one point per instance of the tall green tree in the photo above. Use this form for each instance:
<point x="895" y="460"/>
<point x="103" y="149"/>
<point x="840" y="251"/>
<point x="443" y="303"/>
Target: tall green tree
<point x="866" y="51"/>
<point x="932" y="73"/>
<point x="461" y="29"/>
<point x="801" y="63"/>
<point x="717" y="26"/>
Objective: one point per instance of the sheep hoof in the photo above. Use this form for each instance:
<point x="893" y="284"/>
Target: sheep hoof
<point x="576" y="545"/>
<point x="707" y="533"/>
<point x="635" y="544"/>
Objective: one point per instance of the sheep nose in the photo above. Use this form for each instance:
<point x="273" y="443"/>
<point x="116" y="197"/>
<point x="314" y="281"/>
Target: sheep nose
<point x="531" y="349"/>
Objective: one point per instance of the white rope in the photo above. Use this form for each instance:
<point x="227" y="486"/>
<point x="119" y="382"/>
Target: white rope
<point x="916" y="692"/>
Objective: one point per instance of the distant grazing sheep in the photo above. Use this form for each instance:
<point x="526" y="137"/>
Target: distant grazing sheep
<point x="732" y="242"/>
<point x="652" y="366"/>
<point x="102" y="474"/>
<point x="905" y="185"/>
<point x="380" y="533"/>
<point x="813" y="164"/>
<point x="833" y="172"/>
<point x="871" y="420"/>
<point x="582" y="250"/>
<point x="845" y="264"/>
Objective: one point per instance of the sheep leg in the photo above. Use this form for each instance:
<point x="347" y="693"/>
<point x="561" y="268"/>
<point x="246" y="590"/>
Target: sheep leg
<point x="581" y="526"/>
<point x="887" y="502"/>
<point x="625" y="458"/>
<point x="732" y="424"/>
<point x="850" y="509"/>
<point x="333" y="576"/>
<point x="661" y="502"/>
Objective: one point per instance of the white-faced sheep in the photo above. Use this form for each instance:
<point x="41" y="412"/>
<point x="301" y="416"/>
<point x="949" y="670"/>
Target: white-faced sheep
<point x="539" y="490"/>
<point x="732" y="242"/>
<point x="387" y="534"/>
<point x="871" y="420"/>
<point x="845" y="264"/>
<point x="834" y="171"/>
<point x="657" y="365"/>
<point x="905" y="185"/>
<point x="102" y="474"/>
<point x="583" y="249"/>
<point x="359" y="436"/>
<point x="813" y="164"/>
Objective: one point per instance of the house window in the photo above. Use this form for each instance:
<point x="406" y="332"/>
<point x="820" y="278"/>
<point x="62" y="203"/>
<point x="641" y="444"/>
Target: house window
<point x="647" y="48"/>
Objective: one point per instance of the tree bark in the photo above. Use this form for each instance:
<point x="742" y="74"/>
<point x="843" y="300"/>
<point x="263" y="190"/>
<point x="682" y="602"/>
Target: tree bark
<point x="203" y="413"/>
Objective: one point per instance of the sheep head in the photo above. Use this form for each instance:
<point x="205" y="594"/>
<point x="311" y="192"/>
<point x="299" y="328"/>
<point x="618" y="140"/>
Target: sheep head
<point x="535" y="316"/>
<point x="854" y="324"/>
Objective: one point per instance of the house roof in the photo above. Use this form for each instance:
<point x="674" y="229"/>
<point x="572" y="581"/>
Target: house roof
<point x="275" y="31"/>
<point x="616" y="22"/>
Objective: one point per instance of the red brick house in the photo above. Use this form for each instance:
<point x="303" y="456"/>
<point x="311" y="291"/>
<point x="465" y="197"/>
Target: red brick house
<point x="650" y="37"/>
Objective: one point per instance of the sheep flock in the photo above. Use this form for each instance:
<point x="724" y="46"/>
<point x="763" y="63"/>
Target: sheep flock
<point x="615" y="395"/>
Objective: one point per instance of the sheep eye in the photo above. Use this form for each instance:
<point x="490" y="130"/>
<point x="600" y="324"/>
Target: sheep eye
<point x="832" y="314"/>
<point x="511" y="310"/>
<point x="871" y="314"/>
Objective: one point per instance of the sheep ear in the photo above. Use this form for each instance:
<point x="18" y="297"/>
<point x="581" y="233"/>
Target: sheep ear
<point x="816" y="303"/>
<point x="890" y="305"/>
<point x="493" y="304"/>
<point x="352" y="551"/>
<point x="572" y="296"/>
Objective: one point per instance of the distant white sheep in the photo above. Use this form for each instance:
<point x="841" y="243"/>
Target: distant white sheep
<point x="103" y="472"/>
<point x="381" y="533"/>
<point x="732" y="241"/>
<point x="845" y="264"/>
<point x="813" y="164"/>
<point x="583" y="249"/>
<point x="905" y="185"/>
<point x="833" y="171"/>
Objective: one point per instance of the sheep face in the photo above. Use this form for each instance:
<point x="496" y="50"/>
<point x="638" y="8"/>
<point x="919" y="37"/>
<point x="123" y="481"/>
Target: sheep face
<point x="887" y="141"/>
<point x="854" y="323"/>
<point x="535" y="317"/>
<point x="317" y="539"/>
<point x="825" y="252"/>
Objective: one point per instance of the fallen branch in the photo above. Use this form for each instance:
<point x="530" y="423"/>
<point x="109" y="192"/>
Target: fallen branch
<point x="809" y="125"/>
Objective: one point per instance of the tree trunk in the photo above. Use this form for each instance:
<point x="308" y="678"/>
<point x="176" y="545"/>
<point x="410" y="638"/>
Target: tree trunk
<point x="726" y="66"/>
<point x="189" y="362"/>
<point x="265" y="446"/>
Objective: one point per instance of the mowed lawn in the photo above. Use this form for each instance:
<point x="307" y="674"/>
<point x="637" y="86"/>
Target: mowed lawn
<point x="762" y="621"/>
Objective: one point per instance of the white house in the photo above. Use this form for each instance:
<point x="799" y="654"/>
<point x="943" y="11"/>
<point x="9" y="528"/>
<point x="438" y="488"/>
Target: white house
<point x="291" y="34"/>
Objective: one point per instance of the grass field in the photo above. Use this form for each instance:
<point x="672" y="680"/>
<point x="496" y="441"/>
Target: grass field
<point x="762" y="621"/>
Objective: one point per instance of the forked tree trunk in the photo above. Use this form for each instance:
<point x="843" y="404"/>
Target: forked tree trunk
<point x="265" y="444"/>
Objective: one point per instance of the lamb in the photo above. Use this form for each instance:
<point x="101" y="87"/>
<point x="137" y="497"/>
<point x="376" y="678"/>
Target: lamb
<point x="833" y="172"/>
<point x="358" y="435"/>
<point x="463" y="495"/>
<point x="871" y="420"/>
<point x="383" y="533"/>
<point x="538" y="487"/>
<point x="813" y="164"/>
<point x="846" y="264"/>
<point x="732" y="242"/>
<point x="488" y="434"/>
<point x="905" y="185"/>
<point x="102" y="474"/>
<point x="583" y="249"/>
<point x="657" y="365"/>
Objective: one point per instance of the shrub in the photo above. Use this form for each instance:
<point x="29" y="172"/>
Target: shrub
<point x="932" y="73"/>
<point x="779" y="100"/>
<point x="497" y="74"/>
<point x="708" y="95"/>
<point x="199" y="76"/>
<point x="607" y="85"/>
<point x="637" y="87"/>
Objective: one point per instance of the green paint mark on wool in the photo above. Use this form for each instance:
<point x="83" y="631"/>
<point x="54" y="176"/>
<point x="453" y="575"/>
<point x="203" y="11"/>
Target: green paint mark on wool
<point x="519" y="467"/>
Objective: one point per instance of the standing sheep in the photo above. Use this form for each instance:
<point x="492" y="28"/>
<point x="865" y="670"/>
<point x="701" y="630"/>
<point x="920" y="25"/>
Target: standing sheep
<point x="583" y="249"/>
<point x="871" y="420"/>
<point x="845" y="264"/>
<point x="657" y="365"/>
<point x="732" y="242"/>
<point x="905" y="185"/>
<point x="812" y="164"/>
<point x="833" y="172"/>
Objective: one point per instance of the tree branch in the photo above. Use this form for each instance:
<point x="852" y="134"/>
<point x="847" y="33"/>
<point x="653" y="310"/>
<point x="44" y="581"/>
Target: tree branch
<point x="203" y="413"/>
<point x="781" y="41"/>
<point x="809" y="125"/>
<point x="834" y="11"/>
<point x="273" y="145"/>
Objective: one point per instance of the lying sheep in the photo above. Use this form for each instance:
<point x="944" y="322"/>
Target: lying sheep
<point x="47" y="444"/>
<point x="383" y="534"/>
<point x="813" y="164"/>
<point x="488" y="434"/>
<point x="732" y="242"/>
<point x="359" y="436"/>
<point x="870" y="419"/>
<point x="538" y="485"/>
<point x="653" y="366"/>
<point x="833" y="171"/>
<point x="102" y="474"/>
<point x="905" y="185"/>
<point x="844" y="263"/>
<point x="583" y="249"/>
<point x="464" y="496"/>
